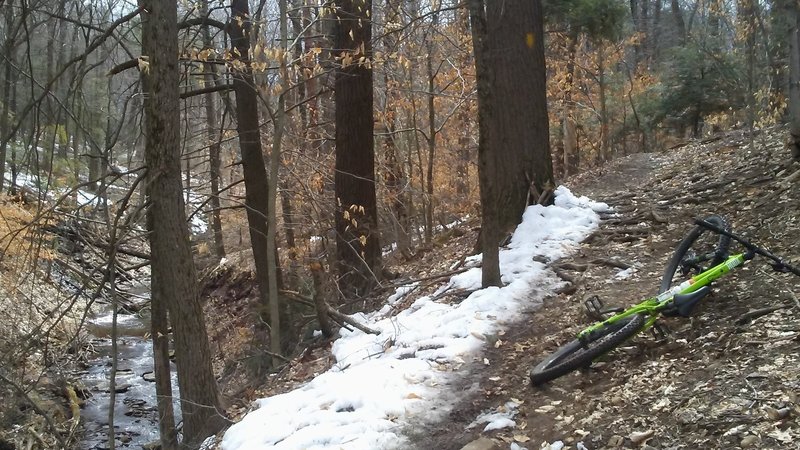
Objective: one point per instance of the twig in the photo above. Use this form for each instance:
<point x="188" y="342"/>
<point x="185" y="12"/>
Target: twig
<point x="47" y="419"/>
<point x="297" y="297"/>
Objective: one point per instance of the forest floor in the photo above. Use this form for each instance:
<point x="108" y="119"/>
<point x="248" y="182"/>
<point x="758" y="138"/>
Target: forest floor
<point x="723" y="378"/>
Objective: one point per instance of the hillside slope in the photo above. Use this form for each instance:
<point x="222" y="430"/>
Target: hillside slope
<point x="722" y="379"/>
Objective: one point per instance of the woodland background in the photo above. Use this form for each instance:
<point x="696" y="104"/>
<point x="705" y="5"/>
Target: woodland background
<point x="317" y="138"/>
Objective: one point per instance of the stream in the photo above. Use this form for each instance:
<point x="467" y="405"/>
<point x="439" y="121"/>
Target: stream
<point x="135" y="413"/>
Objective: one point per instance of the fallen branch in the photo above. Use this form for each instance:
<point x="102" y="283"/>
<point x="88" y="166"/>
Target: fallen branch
<point x="349" y="320"/>
<point x="564" y="276"/>
<point x="657" y="217"/>
<point x="326" y="313"/>
<point x="619" y="235"/>
<point x="611" y="262"/>
<point x="753" y="314"/>
<point x="297" y="297"/>
<point x="571" y="266"/>
<point x="569" y="289"/>
<point x="434" y="277"/>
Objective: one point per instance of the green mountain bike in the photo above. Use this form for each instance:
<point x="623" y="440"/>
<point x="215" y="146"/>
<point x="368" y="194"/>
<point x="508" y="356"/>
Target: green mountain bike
<point x="700" y="258"/>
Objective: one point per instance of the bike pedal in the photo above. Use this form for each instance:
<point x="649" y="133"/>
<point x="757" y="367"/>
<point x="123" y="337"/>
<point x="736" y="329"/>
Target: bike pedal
<point x="660" y="331"/>
<point x="594" y="307"/>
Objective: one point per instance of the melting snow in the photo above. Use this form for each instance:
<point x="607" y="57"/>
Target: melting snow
<point x="381" y="383"/>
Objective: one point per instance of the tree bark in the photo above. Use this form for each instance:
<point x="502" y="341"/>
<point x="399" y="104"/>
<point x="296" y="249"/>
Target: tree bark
<point x="571" y="152"/>
<point x="357" y="246"/>
<point x="174" y="281"/>
<point x="490" y="235"/>
<point x="514" y="147"/>
<point x="793" y="15"/>
<point x="605" y="139"/>
<point x="255" y="172"/>
<point x="279" y="120"/>
<point x="394" y="178"/>
<point x="213" y="136"/>
<point x="680" y="24"/>
<point x="520" y="124"/>
<point x="8" y="50"/>
<point x="430" y="203"/>
<point x="159" y="329"/>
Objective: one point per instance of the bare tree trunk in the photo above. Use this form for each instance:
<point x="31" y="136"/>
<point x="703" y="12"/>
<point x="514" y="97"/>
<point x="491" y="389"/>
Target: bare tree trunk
<point x="279" y="120"/>
<point x="431" y="141"/>
<point x="636" y="16"/>
<point x="255" y="173"/>
<point x="357" y="245"/>
<point x="213" y="137"/>
<point x="174" y="281"/>
<point x="159" y="329"/>
<point x="747" y="14"/>
<point x="490" y="234"/>
<point x="680" y="25"/>
<point x="8" y="50"/>
<point x="605" y="139"/>
<point x="571" y="151"/>
<point x="394" y="178"/>
<point x="644" y="28"/>
<point x="793" y="15"/>
<point x="463" y="152"/>
<point x="7" y="137"/>
<point x="299" y="23"/>
<point x="521" y="124"/>
<point x="516" y="159"/>
<point x="655" y="32"/>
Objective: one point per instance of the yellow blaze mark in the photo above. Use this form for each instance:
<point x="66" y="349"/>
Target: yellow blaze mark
<point x="530" y="40"/>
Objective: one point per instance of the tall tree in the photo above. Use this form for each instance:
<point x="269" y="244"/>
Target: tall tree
<point x="680" y="24"/>
<point x="486" y="160"/>
<point x="174" y="281"/>
<point x="793" y="15"/>
<point x="357" y="246"/>
<point x="517" y="156"/>
<point x="255" y="172"/>
<point x="5" y="86"/>
<point x="214" y="138"/>
<point x="394" y="177"/>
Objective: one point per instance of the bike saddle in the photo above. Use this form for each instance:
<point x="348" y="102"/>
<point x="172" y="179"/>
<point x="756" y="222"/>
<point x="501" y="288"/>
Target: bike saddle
<point x="683" y="304"/>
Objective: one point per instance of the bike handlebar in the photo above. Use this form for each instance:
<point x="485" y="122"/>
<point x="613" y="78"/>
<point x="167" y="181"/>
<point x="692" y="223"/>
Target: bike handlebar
<point x="778" y="264"/>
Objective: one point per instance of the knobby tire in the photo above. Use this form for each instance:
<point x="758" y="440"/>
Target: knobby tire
<point x="577" y="354"/>
<point x="721" y="250"/>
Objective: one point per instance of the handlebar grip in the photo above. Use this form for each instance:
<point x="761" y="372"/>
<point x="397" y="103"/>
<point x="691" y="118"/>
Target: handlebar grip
<point x="786" y="268"/>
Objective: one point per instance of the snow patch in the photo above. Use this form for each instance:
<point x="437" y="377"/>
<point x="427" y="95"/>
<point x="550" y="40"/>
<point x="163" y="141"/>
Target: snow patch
<point x="383" y="382"/>
<point x="498" y="418"/>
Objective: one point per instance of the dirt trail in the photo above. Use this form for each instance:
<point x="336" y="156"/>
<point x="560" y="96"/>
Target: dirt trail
<point x="718" y="381"/>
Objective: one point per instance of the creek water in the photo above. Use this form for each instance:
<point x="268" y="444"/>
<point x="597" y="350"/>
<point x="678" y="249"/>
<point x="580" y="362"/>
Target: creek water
<point x="135" y="413"/>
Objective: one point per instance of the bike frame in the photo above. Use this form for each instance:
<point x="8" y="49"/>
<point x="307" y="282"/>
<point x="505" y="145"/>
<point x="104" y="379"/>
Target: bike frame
<point x="653" y="306"/>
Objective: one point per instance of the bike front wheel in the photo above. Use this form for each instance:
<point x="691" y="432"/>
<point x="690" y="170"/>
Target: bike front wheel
<point x="700" y="250"/>
<point x="581" y="353"/>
